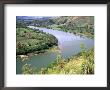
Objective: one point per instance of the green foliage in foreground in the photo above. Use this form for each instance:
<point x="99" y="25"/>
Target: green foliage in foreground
<point x="83" y="63"/>
<point x="27" y="69"/>
<point x="28" y="41"/>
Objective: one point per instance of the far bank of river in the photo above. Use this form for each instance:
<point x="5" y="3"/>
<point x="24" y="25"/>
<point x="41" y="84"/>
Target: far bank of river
<point x="68" y="43"/>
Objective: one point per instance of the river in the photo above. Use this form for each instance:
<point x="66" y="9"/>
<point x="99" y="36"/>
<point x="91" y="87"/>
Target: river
<point x="68" y="43"/>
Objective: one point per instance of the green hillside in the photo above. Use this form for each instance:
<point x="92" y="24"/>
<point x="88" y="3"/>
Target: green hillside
<point x="83" y="25"/>
<point x="28" y="40"/>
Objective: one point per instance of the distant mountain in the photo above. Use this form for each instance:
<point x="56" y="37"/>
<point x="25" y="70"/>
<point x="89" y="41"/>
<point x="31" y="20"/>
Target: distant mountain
<point x="33" y="17"/>
<point x="75" y="20"/>
<point x="22" y="17"/>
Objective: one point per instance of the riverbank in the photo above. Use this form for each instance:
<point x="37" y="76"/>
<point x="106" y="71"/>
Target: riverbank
<point x="27" y="56"/>
<point x="82" y="63"/>
<point x="32" y="42"/>
<point x="88" y="35"/>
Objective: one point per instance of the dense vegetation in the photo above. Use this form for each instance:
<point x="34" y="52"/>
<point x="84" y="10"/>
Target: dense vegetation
<point x="32" y="40"/>
<point x="83" y="63"/>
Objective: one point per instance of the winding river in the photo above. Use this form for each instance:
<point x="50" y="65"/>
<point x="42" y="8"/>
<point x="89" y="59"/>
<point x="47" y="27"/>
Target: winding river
<point x="68" y="43"/>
